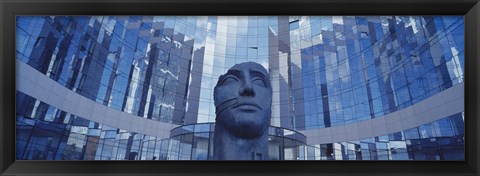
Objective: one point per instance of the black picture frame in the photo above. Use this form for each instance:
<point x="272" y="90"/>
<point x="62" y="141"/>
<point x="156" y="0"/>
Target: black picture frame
<point x="11" y="8"/>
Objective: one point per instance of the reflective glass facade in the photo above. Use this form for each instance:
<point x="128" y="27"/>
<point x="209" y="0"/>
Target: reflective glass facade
<point x="364" y="68"/>
<point x="439" y="140"/>
<point x="327" y="72"/>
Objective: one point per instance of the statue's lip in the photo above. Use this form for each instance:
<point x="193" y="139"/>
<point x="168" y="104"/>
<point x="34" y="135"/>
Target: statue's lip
<point x="247" y="104"/>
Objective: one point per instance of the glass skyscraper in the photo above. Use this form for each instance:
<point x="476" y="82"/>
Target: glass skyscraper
<point x="141" y="87"/>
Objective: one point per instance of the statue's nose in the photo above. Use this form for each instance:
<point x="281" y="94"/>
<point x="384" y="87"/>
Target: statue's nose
<point x="246" y="89"/>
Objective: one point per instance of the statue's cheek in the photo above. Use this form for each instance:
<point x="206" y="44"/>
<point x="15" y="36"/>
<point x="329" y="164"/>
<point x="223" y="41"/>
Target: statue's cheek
<point x="223" y="94"/>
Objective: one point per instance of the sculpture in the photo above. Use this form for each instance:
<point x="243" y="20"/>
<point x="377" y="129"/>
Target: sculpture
<point x="243" y="99"/>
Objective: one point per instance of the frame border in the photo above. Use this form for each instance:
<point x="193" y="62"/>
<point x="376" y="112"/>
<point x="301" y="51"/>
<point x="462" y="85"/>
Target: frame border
<point x="11" y="8"/>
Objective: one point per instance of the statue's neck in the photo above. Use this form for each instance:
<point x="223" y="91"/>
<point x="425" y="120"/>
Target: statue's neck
<point x="230" y="147"/>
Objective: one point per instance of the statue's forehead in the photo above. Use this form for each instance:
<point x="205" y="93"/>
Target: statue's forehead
<point x="249" y="66"/>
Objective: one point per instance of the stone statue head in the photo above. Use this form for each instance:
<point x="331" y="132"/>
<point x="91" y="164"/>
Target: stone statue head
<point x="243" y="99"/>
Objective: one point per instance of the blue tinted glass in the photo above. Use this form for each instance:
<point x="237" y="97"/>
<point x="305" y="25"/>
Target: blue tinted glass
<point x="325" y="72"/>
<point x="294" y="25"/>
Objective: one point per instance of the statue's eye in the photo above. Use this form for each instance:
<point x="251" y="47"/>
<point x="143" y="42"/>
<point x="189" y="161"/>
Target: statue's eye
<point x="229" y="80"/>
<point x="259" y="82"/>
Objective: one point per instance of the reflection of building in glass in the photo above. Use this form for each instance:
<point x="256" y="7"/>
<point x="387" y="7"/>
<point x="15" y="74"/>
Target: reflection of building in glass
<point x="141" y="88"/>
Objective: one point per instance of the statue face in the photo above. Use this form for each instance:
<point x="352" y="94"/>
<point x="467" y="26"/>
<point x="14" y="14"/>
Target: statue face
<point x="243" y="99"/>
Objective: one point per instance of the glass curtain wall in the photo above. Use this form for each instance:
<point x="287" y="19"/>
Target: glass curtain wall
<point x="326" y="71"/>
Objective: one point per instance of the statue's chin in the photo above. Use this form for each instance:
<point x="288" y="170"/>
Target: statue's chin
<point x="244" y="125"/>
<point x="247" y="128"/>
